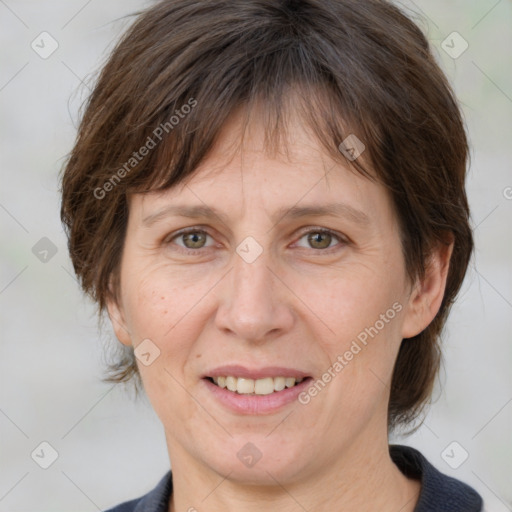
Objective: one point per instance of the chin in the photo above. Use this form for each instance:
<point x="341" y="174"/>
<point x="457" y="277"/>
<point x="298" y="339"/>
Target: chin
<point x="254" y="460"/>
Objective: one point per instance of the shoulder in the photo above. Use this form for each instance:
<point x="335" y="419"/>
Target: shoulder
<point x="156" y="500"/>
<point x="439" y="492"/>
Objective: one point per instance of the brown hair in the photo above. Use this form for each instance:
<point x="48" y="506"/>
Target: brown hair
<point x="358" y="67"/>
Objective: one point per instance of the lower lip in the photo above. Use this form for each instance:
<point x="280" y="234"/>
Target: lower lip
<point x="256" y="404"/>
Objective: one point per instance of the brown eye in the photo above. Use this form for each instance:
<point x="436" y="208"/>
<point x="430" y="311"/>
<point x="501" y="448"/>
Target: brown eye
<point x="194" y="240"/>
<point x="322" y="239"/>
<point x="319" y="239"/>
<point x="190" y="242"/>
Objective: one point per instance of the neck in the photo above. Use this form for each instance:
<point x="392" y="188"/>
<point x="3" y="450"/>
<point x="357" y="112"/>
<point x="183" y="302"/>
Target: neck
<point x="363" y="479"/>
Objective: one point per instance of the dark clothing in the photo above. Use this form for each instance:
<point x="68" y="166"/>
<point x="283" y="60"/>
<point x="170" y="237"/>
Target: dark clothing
<point x="439" y="492"/>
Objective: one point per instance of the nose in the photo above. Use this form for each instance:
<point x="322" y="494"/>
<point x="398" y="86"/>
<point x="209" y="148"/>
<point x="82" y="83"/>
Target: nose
<point x="255" y="303"/>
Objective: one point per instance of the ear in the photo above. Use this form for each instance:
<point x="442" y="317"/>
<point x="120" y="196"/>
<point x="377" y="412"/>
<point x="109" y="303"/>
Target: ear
<point x="427" y="294"/>
<point x="117" y="316"/>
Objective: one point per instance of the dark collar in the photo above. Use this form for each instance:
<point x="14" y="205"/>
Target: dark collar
<point x="439" y="492"/>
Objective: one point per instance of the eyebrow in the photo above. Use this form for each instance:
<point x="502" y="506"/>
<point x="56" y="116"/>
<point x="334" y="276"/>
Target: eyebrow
<point x="294" y="212"/>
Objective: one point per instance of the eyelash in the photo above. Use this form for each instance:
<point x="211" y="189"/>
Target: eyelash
<point x="343" y="240"/>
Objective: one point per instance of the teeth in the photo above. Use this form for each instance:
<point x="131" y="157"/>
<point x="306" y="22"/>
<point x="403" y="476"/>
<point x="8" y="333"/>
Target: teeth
<point x="289" y="382"/>
<point x="231" y="383"/>
<point x="264" y="386"/>
<point x="246" y="386"/>
<point x="279" y="383"/>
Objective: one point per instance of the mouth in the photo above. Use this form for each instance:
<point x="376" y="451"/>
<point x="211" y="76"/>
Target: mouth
<point x="255" y="391"/>
<point x="263" y="386"/>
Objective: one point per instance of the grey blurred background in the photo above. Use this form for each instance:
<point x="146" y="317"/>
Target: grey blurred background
<point x="108" y="447"/>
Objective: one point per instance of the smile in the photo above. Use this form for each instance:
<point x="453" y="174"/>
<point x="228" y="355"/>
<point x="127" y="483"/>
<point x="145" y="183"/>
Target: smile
<point x="265" y="386"/>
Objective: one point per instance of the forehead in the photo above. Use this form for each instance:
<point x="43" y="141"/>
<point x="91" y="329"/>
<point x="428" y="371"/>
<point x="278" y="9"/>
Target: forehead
<point x="243" y="171"/>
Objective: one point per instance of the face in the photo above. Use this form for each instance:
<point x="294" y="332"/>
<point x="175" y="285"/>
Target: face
<point x="264" y="268"/>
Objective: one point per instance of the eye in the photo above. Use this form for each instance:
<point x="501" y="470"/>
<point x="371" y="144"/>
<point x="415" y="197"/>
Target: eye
<point x="320" y="239"/>
<point x="192" y="239"/>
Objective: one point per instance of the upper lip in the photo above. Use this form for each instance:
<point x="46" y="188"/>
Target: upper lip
<point x="255" y="373"/>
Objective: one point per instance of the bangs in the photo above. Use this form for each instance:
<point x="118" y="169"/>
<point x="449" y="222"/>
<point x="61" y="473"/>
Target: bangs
<point x="294" y="93"/>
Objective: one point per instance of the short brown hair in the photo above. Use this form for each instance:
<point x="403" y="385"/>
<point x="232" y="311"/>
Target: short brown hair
<point x="359" y="67"/>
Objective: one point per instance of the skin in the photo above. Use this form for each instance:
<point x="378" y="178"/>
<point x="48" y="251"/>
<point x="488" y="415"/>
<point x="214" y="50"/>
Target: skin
<point x="297" y="305"/>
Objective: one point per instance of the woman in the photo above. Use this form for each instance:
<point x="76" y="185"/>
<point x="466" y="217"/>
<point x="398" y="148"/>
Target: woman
<point x="267" y="197"/>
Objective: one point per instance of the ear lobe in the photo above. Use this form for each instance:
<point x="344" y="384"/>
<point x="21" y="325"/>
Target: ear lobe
<point x="117" y="317"/>
<point x="427" y="295"/>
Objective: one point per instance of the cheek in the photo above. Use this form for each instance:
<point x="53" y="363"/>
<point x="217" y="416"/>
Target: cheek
<point x="363" y="308"/>
<point x="170" y="308"/>
<point x="352" y="299"/>
<point x="163" y="306"/>
<point x="159" y="300"/>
